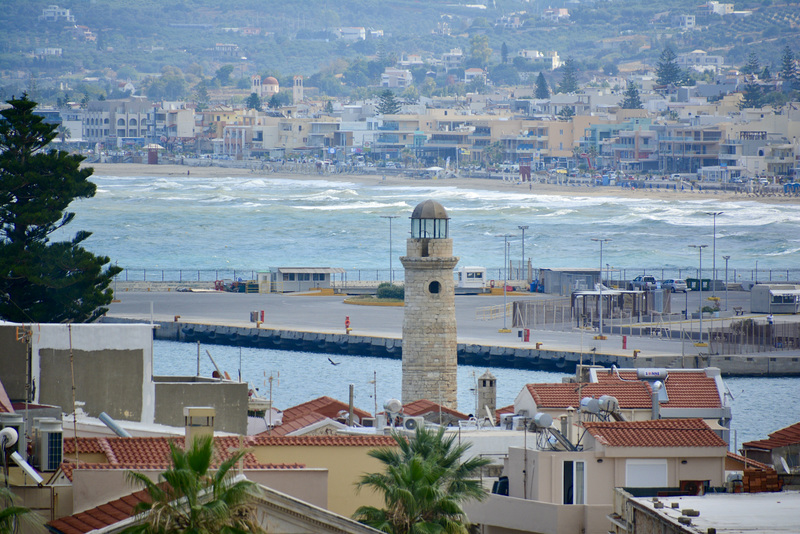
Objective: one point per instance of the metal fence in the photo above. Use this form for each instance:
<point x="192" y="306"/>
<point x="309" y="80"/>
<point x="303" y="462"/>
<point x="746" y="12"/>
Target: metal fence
<point x="613" y="276"/>
<point x="748" y="336"/>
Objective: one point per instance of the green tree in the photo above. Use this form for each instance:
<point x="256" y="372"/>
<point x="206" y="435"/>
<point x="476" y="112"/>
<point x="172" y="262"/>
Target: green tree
<point x="424" y="483"/>
<point x="788" y="70"/>
<point x="752" y="96"/>
<point x="388" y="103"/>
<point x="223" y="74"/>
<point x="566" y="113"/>
<point x="480" y="53"/>
<point x="253" y="102"/>
<point x="329" y="107"/>
<point x="274" y="102"/>
<point x="504" y="53"/>
<point x="631" y="100"/>
<point x="569" y="78"/>
<point x="201" y="96"/>
<point x="752" y="66"/>
<point x="542" y="91"/>
<point x="43" y="281"/>
<point x="667" y="70"/>
<point x="191" y="497"/>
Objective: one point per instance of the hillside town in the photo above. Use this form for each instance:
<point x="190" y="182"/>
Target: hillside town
<point x="121" y="409"/>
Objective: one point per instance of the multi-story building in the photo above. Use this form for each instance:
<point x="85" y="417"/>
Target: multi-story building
<point x="53" y="13"/>
<point x="393" y="77"/>
<point x="683" y="148"/>
<point x="116" y="122"/>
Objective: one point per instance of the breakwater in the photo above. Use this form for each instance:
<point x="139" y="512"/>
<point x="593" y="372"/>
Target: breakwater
<point x="515" y="357"/>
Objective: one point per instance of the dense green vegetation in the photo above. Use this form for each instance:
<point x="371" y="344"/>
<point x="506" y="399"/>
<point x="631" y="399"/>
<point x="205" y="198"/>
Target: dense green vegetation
<point x="146" y="40"/>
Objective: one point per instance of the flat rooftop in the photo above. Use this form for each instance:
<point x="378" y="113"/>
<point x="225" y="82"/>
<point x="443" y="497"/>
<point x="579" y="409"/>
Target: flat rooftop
<point x="733" y="513"/>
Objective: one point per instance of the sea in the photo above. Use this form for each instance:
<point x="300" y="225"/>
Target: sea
<point x="252" y="222"/>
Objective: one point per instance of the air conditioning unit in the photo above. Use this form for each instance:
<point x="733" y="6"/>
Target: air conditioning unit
<point x="49" y="443"/>
<point x="368" y="422"/>
<point x="507" y="421"/>
<point x="413" y="423"/>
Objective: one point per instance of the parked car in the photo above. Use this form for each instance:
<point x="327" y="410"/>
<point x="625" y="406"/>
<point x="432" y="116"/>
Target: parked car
<point x="675" y="284"/>
<point x="644" y="282"/>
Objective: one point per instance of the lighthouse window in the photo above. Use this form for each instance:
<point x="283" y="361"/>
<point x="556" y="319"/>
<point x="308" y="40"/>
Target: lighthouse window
<point x="434" y="287"/>
<point x="429" y="228"/>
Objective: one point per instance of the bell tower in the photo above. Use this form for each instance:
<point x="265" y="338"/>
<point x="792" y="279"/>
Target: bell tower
<point x="429" y="319"/>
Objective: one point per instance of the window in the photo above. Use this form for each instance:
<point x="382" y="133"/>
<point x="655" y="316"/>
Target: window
<point x="574" y="486"/>
<point x="304" y="277"/>
<point x="288" y="277"/>
<point x="645" y="473"/>
<point x="319" y="277"/>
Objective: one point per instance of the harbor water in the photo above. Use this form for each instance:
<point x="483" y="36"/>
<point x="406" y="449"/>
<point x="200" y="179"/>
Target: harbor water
<point x="255" y="223"/>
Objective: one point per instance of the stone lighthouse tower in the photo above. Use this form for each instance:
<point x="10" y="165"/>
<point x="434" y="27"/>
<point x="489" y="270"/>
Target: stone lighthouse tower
<point x="429" y="319"/>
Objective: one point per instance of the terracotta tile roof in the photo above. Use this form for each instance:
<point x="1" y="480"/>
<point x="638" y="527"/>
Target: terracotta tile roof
<point x="424" y="406"/>
<point x="780" y="438"/>
<point x="736" y="462"/>
<point x="628" y="394"/>
<point x="323" y="405"/>
<point x="686" y="389"/>
<point x="153" y="452"/>
<point x="656" y="433"/>
<point x="295" y="424"/>
<point x="504" y="410"/>
<point x="322" y="441"/>
<point x="5" y="402"/>
<point x="101" y="516"/>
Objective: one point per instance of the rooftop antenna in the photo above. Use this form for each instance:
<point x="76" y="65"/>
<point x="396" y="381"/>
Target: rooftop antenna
<point x="276" y="377"/>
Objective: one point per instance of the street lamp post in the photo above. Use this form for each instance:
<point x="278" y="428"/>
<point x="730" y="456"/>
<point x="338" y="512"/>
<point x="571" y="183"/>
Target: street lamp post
<point x="600" y="297"/>
<point x="505" y="280"/>
<point x="726" y="258"/>
<point x="714" y="254"/>
<point x="390" y="217"/>
<point x="522" y="265"/>
<point x="700" y="286"/>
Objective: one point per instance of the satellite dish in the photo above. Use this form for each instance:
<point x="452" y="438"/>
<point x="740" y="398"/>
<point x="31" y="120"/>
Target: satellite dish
<point x="8" y="437"/>
<point x="393" y="406"/>
<point x="785" y="465"/>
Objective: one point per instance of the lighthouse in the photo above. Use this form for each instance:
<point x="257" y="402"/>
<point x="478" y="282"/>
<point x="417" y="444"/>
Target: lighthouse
<point x="429" y="319"/>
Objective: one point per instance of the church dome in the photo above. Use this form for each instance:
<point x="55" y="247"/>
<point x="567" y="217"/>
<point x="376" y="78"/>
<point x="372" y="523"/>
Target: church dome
<point x="269" y="80"/>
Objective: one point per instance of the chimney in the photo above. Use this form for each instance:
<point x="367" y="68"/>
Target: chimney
<point x="199" y="422"/>
<point x="656" y="406"/>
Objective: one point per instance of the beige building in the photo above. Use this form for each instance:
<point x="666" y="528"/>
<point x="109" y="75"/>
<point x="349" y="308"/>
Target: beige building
<point x="552" y="490"/>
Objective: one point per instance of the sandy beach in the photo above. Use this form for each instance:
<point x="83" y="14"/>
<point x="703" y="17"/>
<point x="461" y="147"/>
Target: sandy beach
<point x="135" y="169"/>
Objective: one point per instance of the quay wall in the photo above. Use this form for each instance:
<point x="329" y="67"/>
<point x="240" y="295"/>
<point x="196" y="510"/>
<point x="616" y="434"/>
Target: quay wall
<point x="766" y="364"/>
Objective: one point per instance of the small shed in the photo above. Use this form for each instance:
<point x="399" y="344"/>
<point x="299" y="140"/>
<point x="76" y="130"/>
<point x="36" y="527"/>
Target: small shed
<point x="564" y="281"/>
<point x="775" y="298"/>
<point x="472" y="277"/>
<point x="290" y="279"/>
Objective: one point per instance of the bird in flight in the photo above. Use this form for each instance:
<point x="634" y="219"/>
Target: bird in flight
<point x="333" y="362"/>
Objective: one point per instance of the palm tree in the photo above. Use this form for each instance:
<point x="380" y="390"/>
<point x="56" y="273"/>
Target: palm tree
<point x="424" y="484"/>
<point x="190" y="497"/>
<point x="12" y="516"/>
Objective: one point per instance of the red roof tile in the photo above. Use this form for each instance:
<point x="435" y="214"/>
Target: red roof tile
<point x="295" y="424"/>
<point x="685" y="389"/>
<point x="656" y="433"/>
<point x="5" y="402"/>
<point x="323" y="405"/>
<point x="424" y="406"/>
<point x="101" y="516"/>
<point x="153" y="451"/>
<point x="780" y="438"/>
<point x="628" y="394"/>
<point x="745" y="462"/>
<point x="322" y="441"/>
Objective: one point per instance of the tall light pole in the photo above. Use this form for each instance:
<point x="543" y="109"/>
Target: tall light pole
<point x="601" y="240"/>
<point x="726" y="258"/>
<point x="700" y="248"/>
<point x="714" y="254"/>
<point x="390" y="217"/>
<point x="505" y="279"/>
<point x="522" y="265"/>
